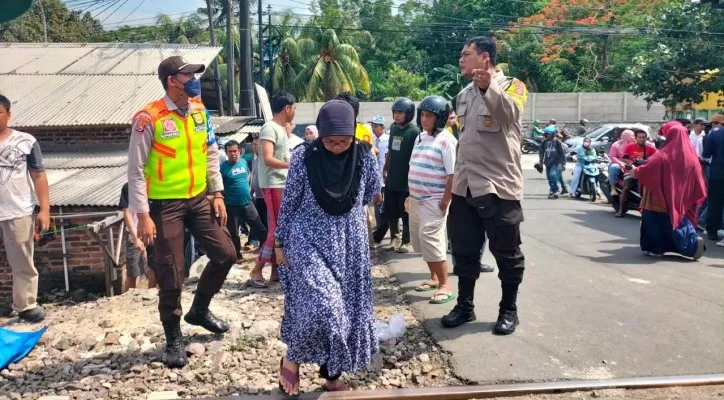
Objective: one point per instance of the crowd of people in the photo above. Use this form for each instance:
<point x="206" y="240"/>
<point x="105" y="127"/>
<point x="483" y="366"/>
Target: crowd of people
<point x="447" y="177"/>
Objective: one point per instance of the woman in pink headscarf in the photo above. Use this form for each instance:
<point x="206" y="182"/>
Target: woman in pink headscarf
<point x="616" y="151"/>
<point x="672" y="191"/>
<point x="310" y="133"/>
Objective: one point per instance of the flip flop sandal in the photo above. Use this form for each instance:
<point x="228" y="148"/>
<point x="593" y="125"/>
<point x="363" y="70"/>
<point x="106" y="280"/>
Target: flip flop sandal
<point x="339" y="388"/>
<point x="426" y="287"/>
<point x="439" y="299"/>
<point x="290" y="377"/>
<point x="257" y="283"/>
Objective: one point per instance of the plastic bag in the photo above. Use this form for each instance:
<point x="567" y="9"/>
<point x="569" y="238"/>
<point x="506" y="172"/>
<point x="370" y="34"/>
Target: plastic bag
<point x="393" y="329"/>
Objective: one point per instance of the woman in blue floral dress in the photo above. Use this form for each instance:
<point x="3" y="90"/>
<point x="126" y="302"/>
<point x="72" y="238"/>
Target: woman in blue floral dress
<point x="322" y="241"/>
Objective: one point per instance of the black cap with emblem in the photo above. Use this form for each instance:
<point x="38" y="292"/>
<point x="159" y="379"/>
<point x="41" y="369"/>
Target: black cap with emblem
<point x="176" y="65"/>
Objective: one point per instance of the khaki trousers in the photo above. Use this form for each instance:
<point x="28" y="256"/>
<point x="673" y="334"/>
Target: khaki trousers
<point x="17" y="237"/>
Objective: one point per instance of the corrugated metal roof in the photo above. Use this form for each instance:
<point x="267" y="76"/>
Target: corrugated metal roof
<point x="253" y="126"/>
<point x="96" y="58"/>
<point x="85" y="160"/>
<point x="227" y="125"/>
<point x="63" y="100"/>
<point x="86" y="186"/>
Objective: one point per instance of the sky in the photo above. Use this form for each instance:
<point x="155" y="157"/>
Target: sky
<point x="143" y="12"/>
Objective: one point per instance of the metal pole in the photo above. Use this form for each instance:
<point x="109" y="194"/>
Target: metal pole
<point x="246" y="77"/>
<point x="230" y="58"/>
<point x="65" y="253"/>
<point x="217" y="78"/>
<point x="261" y="47"/>
<point x="270" y="37"/>
<point x="45" y="22"/>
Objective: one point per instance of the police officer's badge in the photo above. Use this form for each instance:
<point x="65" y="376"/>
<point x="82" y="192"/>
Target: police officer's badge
<point x="198" y="122"/>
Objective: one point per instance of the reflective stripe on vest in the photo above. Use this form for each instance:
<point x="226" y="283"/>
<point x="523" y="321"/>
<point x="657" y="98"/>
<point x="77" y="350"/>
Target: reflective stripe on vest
<point x="176" y="165"/>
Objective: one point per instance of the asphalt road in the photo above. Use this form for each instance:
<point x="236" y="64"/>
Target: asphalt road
<point x="591" y="305"/>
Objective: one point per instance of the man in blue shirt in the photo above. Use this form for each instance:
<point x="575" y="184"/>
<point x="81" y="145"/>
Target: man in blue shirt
<point x="714" y="148"/>
<point x="237" y="196"/>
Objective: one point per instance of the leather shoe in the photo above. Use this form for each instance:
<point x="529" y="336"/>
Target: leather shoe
<point x="507" y="321"/>
<point x="175" y="354"/>
<point x="33" y="315"/>
<point x="200" y="315"/>
<point x="457" y="317"/>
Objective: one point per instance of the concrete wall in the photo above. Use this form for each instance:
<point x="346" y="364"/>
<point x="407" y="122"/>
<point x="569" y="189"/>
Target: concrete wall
<point x="564" y="107"/>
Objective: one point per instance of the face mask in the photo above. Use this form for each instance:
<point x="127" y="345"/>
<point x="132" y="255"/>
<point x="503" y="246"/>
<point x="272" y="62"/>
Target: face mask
<point x="586" y="145"/>
<point x="192" y="87"/>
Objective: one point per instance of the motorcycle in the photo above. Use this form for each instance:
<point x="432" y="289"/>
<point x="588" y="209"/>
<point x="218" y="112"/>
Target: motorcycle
<point x="593" y="176"/>
<point x="633" y="200"/>
<point x="530" y="145"/>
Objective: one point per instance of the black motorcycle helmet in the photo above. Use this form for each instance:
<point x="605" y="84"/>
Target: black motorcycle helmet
<point x="405" y="105"/>
<point x="436" y="105"/>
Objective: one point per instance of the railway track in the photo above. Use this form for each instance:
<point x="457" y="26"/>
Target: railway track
<point x="508" y="390"/>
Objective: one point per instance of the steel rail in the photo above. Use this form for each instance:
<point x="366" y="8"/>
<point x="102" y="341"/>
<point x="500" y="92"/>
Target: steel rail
<point x="506" y="390"/>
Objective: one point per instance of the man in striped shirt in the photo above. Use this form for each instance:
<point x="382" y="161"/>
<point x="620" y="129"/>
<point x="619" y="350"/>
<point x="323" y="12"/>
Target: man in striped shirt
<point x="430" y="184"/>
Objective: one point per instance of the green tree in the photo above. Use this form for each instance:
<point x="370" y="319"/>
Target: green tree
<point x="687" y="63"/>
<point x="400" y="82"/>
<point x="449" y="81"/>
<point x="64" y="25"/>
<point x="332" y="67"/>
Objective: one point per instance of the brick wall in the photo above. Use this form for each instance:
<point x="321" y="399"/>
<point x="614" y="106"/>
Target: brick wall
<point x="85" y="257"/>
<point x="81" y="138"/>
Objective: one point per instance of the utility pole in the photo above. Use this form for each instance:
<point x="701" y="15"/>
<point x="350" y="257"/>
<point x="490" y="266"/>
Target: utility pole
<point x="230" y="66"/>
<point x="45" y="21"/>
<point x="261" y="48"/>
<point x="217" y="78"/>
<point x="246" y="74"/>
<point x="270" y="38"/>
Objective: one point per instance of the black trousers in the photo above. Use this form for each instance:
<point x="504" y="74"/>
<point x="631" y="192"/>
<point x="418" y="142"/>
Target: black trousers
<point x="240" y="216"/>
<point x="171" y="217"/>
<point x="394" y="202"/>
<point x="469" y="221"/>
<point x="382" y="224"/>
<point x="715" y="205"/>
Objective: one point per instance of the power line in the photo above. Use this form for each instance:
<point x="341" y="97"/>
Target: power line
<point x="114" y="11"/>
<point x="132" y="11"/>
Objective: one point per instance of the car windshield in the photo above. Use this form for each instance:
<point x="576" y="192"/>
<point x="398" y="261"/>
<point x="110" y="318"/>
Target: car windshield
<point x="594" y="134"/>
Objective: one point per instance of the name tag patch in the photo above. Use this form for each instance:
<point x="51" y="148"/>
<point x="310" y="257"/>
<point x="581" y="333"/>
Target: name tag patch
<point x="169" y="129"/>
<point x="396" y="143"/>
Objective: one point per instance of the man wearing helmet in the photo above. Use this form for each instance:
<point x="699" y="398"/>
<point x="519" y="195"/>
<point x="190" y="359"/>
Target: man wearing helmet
<point x="430" y="181"/>
<point x="488" y="182"/>
<point x="402" y="139"/>
<point x="581" y="130"/>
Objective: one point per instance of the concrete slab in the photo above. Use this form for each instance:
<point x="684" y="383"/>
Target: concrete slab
<point x="592" y="306"/>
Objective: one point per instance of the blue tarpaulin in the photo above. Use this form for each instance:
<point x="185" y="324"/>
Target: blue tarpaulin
<point x="14" y="346"/>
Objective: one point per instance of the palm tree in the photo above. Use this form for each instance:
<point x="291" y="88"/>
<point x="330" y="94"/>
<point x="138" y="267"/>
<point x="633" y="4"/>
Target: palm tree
<point x="183" y="30"/>
<point x="333" y="67"/>
<point x="289" y="63"/>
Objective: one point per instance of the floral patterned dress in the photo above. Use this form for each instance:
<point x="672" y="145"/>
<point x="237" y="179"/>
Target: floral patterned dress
<point x="328" y="315"/>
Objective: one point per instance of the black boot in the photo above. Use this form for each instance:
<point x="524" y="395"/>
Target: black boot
<point x="200" y="315"/>
<point x="508" y="312"/>
<point x="463" y="310"/>
<point x="175" y="355"/>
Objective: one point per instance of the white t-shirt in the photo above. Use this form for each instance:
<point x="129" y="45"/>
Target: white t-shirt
<point x="382" y="144"/>
<point x="693" y="138"/>
<point x="293" y="142"/>
<point x="432" y="161"/>
<point x="272" y="178"/>
<point x="19" y="154"/>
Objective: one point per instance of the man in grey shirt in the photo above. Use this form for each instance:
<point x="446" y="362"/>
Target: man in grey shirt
<point x="272" y="175"/>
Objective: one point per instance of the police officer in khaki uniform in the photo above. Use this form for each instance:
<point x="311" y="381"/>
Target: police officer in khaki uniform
<point x="488" y="184"/>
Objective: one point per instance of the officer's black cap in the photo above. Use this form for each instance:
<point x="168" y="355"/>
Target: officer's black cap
<point x="176" y="65"/>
